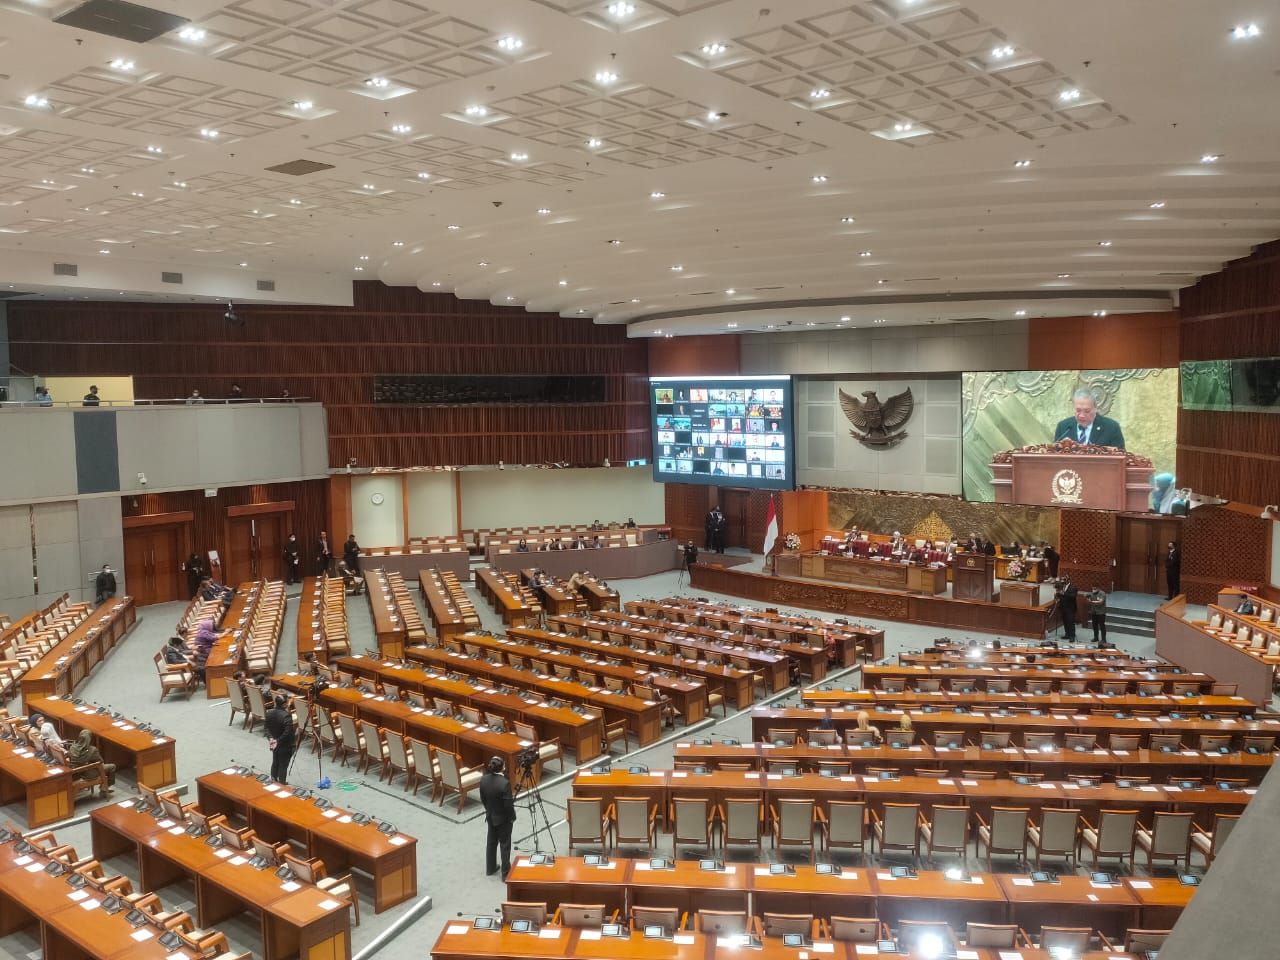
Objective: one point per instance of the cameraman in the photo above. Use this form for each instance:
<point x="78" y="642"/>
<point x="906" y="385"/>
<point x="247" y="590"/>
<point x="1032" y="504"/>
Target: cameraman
<point x="280" y="737"/>
<point x="500" y="814"/>
<point x="690" y="554"/>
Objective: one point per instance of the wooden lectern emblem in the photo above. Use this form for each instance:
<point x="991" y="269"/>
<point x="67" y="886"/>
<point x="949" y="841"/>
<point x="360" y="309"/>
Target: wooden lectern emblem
<point x="1066" y="487"/>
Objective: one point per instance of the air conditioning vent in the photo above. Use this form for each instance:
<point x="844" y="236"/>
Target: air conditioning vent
<point x="168" y="277"/>
<point x="771" y="288"/>
<point x="970" y="319"/>
<point x="126" y="21"/>
<point x="65" y="270"/>
<point x="919" y="279"/>
<point x="300" y="168"/>
<point x="266" y="285"/>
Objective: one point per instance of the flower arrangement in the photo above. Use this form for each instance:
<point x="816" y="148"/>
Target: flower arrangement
<point x="791" y="541"/>
<point x="1017" y="569"/>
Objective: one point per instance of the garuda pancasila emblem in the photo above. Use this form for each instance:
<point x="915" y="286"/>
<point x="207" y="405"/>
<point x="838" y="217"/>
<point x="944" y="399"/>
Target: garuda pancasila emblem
<point x="878" y="422"/>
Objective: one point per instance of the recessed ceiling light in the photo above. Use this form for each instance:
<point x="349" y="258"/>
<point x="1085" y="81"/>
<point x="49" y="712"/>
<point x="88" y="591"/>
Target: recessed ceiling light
<point x="606" y="77"/>
<point x="401" y="128"/>
<point x="122" y="65"/>
<point x="564" y="283"/>
<point x="882" y="281"/>
<point x="1099" y="313"/>
<point x="510" y="298"/>
<point x="191" y="34"/>
<point x="180" y="184"/>
<point x="519" y="156"/>
<point x="295" y="202"/>
<point x="154" y="149"/>
<point x="731" y="325"/>
<point x="483" y="263"/>
<point x="594" y="142"/>
<point x="209" y="133"/>
<point x="475" y="110"/>
<point x="254" y="212"/>
<point x="359" y="269"/>
<point x="454" y="226"/>
<point x="847" y="220"/>
<point x="1019" y="313"/>
<point x="1211" y="158"/>
<point x="49" y="183"/>
<point x="845" y="319"/>
<point x="303" y="105"/>
<point x="676" y="268"/>
<point x="810" y="323"/>
<point x="104" y="251"/>
<point x="820" y="93"/>
<point x="865" y="253"/>
<point x="1104" y="243"/>
<point x="1156" y="205"/>
<point x="423" y="175"/>
<point x="713" y="49"/>
<point x="615" y="243"/>
<point x="132" y="193"/>
<point x="1002" y="52"/>
<point x="510" y="43"/>
<point x="1245" y="31"/>
<point x="1069" y="96"/>
<point x="35" y="100"/>
<point x="88" y="170"/>
<point x="819" y="178"/>
<point x="378" y="83"/>
<point x="244" y="264"/>
<point x="715" y="115"/>
<point x="364" y="256"/>
<point x="397" y="243"/>
<point x="901" y="127"/>
<point x="580" y="310"/>
<point x="435" y="283"/>
<point x="1022" y="163"/>
<point x="1063" y="276"/>
<point x="620" y="9"/>
<point x="656" y="195"/>
<point x="730" y="292"/>
<point x="368" y="186"/>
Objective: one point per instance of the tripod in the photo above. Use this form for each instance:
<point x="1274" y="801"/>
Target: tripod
<point x="683" y="576"/>
<point x="526" y="788"/>
<point x="312" y="726"/>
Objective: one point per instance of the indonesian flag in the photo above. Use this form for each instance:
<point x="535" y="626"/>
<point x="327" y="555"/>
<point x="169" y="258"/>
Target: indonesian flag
<point x="771" y="529"/>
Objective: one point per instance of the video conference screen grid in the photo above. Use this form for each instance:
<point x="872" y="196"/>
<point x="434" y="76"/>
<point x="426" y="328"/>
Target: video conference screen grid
<point x="734" y="431"/>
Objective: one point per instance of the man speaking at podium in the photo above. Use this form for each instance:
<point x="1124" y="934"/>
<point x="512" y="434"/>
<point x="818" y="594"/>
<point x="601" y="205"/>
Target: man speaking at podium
<point x="1088" y="426"/>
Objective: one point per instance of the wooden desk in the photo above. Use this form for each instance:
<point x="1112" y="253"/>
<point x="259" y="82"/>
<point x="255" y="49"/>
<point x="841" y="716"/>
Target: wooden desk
<point x="72" y="659"/>
<point x="388" y="624"/>
<point x="227" y="655"/>
<point x="1018" y="593"/>
<point x="599" y="596"/>
<point x="300" y="920"/>
<point x="875" y="675"/>
<point x="448" y="606"/>
<point x="46" y="790"/>
<point x="1112" y="909"/>
<point x="1161" y="900"/>
<point x="556" y="596"/>
<point x="331" y="835"/>
<point x="119" y="741"/>
<point x="515" y="606"/>
<point x="1015" y="699"/>
<point x="1195" y="646"/>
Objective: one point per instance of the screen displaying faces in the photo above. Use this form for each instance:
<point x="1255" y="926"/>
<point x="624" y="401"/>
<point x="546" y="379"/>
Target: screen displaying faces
<point x="734" y="431"/>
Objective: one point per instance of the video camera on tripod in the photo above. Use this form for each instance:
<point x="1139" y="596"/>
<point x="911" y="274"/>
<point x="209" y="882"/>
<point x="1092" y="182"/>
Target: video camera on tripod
<point x="690" y="553"/>
<point x="527" y="760"/>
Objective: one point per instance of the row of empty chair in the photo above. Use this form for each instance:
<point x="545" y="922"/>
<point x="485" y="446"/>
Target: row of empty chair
<point x="448" y="604"/>
<point x="396" y="620"/>
<point x="481" y="538"/>
<point x="513" y="601"/>
<point x="322" y="618"/>
<point x="1031" y="679"/>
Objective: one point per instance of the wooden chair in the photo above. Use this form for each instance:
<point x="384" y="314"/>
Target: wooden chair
<point x="794" y="822"/>
<point x="857" y="929"/>
<point x="257" y="705"/>
<point x="1168" y="839"/>
<point x="948" y="830"/>
<point x="669" y="919"/>
<point x="994" y="935"/>
<point x="741" y="822"/>
<point x="847" y="825"/>
<point x="1141" y="941"/>
<point x="634" y="822"/>
<point x="454" y="776"/>
<point x="691" y="822"/>
<point x="547" y="749"/>
<point x="1057" y="834"/>
<point x="897" y="830"/>
<point x="782" y="924"/>
<point x="524" y="910"/>
<point x="581" y="916"/>
<point x="1114" y="836"/>
<point x="174" y="677"/>
<point x="722" y="923"/>
<point x="351" y="741"/>
<point x="589" y="822"/>
<point x="1007" y="832"/>
<point x="373" y="752"/>
<point x="235" y="693"/>
<point x="342" y="888"/>
<point x="398" y="759"/>
<point x="1209" y="843"/>
<point x="613" y="732"/>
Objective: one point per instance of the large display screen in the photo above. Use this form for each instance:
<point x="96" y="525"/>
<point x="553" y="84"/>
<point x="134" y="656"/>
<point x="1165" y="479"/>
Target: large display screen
<point x="733" y="431"/>
<point x="1077" y="438"/>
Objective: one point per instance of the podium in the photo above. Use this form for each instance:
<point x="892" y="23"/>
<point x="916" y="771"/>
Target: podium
<point x="1096" y="481"/>
<point x="973" y="577"/>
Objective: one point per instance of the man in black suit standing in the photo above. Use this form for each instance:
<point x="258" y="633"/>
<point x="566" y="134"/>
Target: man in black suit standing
<point x="500" y="814"/>
<point x="1088" y="426"/>
<point x="1050" y="558"/>
<point x="1173" y="569"/>
<point x="1067" y="594"/>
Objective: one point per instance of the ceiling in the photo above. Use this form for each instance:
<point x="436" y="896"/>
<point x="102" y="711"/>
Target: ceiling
<point x="820" y="152"/>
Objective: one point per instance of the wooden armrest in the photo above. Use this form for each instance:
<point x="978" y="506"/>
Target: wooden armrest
<point x="874" y="816"/>
<point x="1104" y="942"/>
<point x="1208" y="835"/>
<point x="819" y="816"/>
<point x="555" y="918"/>
<point x="921" y="819"/>
<point x="1084" y="823"/>
<point x="977" y="816"/>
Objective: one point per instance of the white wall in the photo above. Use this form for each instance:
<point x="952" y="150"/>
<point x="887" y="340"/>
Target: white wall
<point x="377" y="525"/>
<point x="40" y="454"/>
<point x="926" y="461"/>
<point x="433" y="505"/>
<point x="510" y="498"/>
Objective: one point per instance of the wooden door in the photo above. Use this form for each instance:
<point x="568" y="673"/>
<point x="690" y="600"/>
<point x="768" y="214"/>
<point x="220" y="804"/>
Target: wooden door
<point x="1140" y="548"/>
<point x="153" y="563"/>
<point x="240" y="562"/>
<point x="166" y="564"/>
<point x="271" y="539"/>
<point x="137" y="568"/>
<point x="734" y="504"/>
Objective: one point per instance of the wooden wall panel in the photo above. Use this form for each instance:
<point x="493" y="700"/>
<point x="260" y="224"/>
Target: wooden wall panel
<point x="1220" y="547"/>
<point x="1088" y="547"/>
<point x="719" y="355"/>
<point x="310" y="511"/>
<point x="1103" y="343"/>
<point x="686" y="510"/>
<point x="332" y="354"/>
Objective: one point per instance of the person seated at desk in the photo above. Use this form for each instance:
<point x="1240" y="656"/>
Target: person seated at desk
<point x="557" y="544"/>
<point x="864" y="724"/>
<point x="898" y="544"/>
<point x="905" y="725"/>
<point x="351" y="581"/>
<point x="175" y="654"/>
<point x="595" y="542"/>
<point x="631" y="523"/>
<point x="1245" y="607"/>
<point x="917" y="555"/>
<point x="522" y="546"/>
<point x="1032" y="552"/>
<point x="83" y="753"/>
<point x="580" y="543"/>
<point x="43" y="731"/>
<point x="577" y="580"/>
<point x="597" y="525"/>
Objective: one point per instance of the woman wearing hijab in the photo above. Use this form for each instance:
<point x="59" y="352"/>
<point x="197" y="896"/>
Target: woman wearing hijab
<point x="83" y="752"/>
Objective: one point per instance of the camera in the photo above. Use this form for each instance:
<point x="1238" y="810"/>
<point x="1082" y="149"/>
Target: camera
<point x="690" y="553"/>
<point x="527" y="759"/>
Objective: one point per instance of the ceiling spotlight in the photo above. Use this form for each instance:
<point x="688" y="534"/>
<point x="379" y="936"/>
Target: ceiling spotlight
<point x="510" y="298"/>
<point x="35" y="100"/>
<point x="544" y="210"/>
<point x="401" y="128"/>
<point x="635" y="299"/>
<point x="901" y="127"/>
<point x="1211" y="158"/>
<point x="615" y="243"/>
<point x="378" y="83"/>
<point x="1069" y="96"/>
<point x="581" y="311"/>
<point x="606" y="77"/>
<point x="244" y="264"/>
<point x="295" y="202"/>
<point x="845" y="319"/>
<point x="731" y="325"/>
<point x="865" y="253"/>
<point x="104" y="251"/>
<point x="713" y="49"/>
<point x="656" y="195"/>
<point x="191" y="34"/>
<point x="359" y="269"/>
<point x="124" y="66"/>
<point x="364" y="256"/>
<point x="1019" y="313"/>
<point x="1245" y="31"/>
<point x="847" y="220"/>
<point x="133" y="193"/>
<point x="483" y="263"/>
<point x="1099" y="313"/>
<point x="153" y="149"/>
<point x="1063" y="276"/>
<point x="88" y="170"/>
<point x="1002" y="53"/>
<point x="677" y="268"/>
<point x="882" y="281"/>
<point x="564" y="283"/>
<point x="435" y="283"/>
<point x="819" y="178"/>
<point x="209" y="133"/>
<point x="1022" y="163"/>
<point x="716" y="115"/>
<point x="821" y="93"/>
<point x="594" y="142"/>
<point x="368" y="186"/>
<point x="303" y="105"/>
<point x="810" y="323"/>
<point x="1157" y="205"/>
<point x="519" y="156"/>
<point x="1104" y="243"/>
<point x="510" y="43"/>
<point x="180" y="184"/>
<point x="454" y="226"/>
<point x="730" y="292"/>
<point x="397" y="243"/>
<point x="621" y="9"/>
<point x="476" y="110"/>
<point x="423" y="175"/>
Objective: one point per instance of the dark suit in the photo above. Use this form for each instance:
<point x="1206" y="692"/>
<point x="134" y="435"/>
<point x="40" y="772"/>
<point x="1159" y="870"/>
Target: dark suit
<point x="1104" y="433"/>
<point x="1173" y="571"/>
<point x="500" y="814"/>
<point x="1067" y="600"/>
